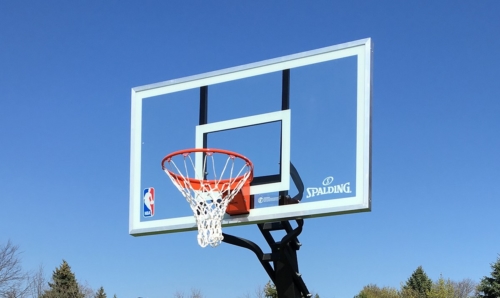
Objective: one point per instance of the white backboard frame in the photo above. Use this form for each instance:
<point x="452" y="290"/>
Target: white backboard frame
<point x="360" y="202"/>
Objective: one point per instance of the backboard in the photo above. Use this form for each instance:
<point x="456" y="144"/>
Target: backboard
<point x="303" y="120"/>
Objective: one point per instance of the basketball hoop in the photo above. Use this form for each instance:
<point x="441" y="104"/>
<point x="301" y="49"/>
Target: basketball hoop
<point x="208" y="189"/>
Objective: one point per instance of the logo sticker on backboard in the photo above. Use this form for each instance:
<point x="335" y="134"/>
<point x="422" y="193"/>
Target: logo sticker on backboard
<point x="149" y="202"/>
<point x="328" y="188"/>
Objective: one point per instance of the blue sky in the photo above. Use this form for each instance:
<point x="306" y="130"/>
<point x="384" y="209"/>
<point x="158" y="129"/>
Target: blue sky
<point x="66" y="70"/>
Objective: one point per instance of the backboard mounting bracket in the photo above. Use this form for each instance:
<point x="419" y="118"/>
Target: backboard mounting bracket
<point x="285" y="270"/>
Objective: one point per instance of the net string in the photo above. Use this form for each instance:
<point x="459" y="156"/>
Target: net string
<point x="210" y="200"/>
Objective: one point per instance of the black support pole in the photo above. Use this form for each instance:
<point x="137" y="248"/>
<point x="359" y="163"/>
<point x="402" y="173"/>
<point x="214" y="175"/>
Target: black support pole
<point x="285" y="90"/>
<point x="285" y="105"/>
<point x="285" y="270"/>
<point x="204" y="110"/>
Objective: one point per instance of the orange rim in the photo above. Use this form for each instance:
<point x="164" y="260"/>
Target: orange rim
<point x="199" y="182"/>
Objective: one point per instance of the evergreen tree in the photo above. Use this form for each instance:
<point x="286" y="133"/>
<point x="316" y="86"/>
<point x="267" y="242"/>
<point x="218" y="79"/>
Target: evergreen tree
<point x="419" y="283"/>
<point x="100" y="293"/>
<point x="64" y="284"/>
<point x="373" y="291"/>
<point x="442" y="289"/>
<point x="489" y="287"/>
<point x="270" y="290"/>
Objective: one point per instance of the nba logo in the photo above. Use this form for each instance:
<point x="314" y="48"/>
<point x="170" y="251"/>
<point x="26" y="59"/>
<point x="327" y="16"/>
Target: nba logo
<point x="149" y="202"/>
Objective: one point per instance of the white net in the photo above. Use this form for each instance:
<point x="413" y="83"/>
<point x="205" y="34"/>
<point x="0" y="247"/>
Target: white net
<point x="208" y="189"/>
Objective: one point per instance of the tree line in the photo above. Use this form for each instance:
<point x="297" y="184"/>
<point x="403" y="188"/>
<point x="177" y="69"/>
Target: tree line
<point x="419" y="285"/>
<point x="16" y="283"/>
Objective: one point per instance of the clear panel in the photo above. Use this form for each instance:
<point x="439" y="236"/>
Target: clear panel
<point x="323" y="104"/>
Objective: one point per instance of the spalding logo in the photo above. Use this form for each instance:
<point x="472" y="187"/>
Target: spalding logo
<point x="328" y="188"/>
